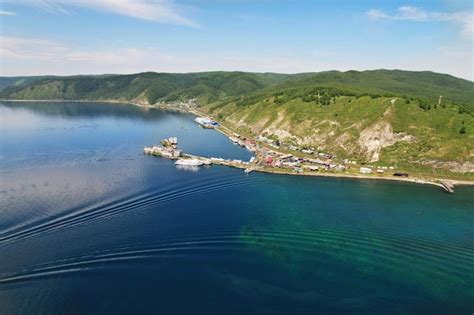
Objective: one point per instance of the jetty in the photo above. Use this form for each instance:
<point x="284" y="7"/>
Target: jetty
<point x="447" y="185"/>
<point x="168" y="148"/>
<point x="277" y="162"/>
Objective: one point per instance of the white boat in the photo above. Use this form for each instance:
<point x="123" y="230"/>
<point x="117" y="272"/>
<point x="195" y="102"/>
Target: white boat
<point x="188" y="168"/>
<point x="234" y="140"/>
<point x="189" y="162"/>
<point x="206" y="122"/>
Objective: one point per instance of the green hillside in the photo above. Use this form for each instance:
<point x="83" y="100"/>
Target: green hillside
<point x="6" y="82"/>
<point x="152" y="87"/>
<point x="147" y="87"/>
<point x="424" y="84"/>
<point x="383" y="117"/>
<point x="380" y="130"/>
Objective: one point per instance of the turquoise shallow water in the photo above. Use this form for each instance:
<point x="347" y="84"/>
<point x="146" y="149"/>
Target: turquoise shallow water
<point x="88" y="224"/>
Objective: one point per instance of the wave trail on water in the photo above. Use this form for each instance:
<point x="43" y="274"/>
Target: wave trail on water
<point x="379" y="251"/>
<point x="130" y="203"/>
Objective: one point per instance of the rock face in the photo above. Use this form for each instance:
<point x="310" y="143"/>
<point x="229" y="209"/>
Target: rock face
<point x="378" y="136"/>
<point x="368" y="131"/>
<point x="370" y="141"/>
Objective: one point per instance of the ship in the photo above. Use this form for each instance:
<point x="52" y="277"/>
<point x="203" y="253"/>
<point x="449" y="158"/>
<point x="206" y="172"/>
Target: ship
<point x="189" y="162"/>
<point x="170" y="142"/>
<point x="206" y="122"/>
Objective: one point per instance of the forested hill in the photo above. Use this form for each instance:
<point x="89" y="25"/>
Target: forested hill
<point x="148" y="87"/>
<point x="153" y="87"/>
<point x="427" y="85"/>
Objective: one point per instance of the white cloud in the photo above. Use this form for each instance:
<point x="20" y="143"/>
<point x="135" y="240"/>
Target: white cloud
<point x="163" y="11"/>
<point x="27" y="48"/>
<point x="7" y="13"/>
<point x="464" y="19"/>
<point x="35" y="56"/>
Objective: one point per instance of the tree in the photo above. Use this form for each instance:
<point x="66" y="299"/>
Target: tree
<point x="462" y="130"/>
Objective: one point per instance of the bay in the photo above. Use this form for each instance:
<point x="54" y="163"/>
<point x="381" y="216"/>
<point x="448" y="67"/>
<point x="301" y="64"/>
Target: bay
<point x="89" y="224"/>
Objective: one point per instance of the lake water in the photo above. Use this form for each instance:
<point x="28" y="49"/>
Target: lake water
<point x="91" y="225"/>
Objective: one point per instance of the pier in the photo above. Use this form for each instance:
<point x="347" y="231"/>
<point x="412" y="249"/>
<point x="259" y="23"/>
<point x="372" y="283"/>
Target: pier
<point x="276" y="162"/>
<point x="168" y="148"/>
<point x="447" y="185"/>
<point x="219" y="161"/>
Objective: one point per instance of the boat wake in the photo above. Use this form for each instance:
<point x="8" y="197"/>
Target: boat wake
<point x="136" y="202"/>
<point x="288" y="245"/>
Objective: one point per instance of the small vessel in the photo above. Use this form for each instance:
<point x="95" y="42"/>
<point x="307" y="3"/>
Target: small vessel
<point x="189" y="162"/>
<point x="248" y="147"/>
<point x="248" y="170"/>
<point x="169" y="142"/>
<point x="188" y="168"/>
<point x="206" y="122"/>
<point x="234" y="139"/>
<point x="173" y="140"/>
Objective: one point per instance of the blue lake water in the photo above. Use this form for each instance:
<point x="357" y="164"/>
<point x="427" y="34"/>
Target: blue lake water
<point x="90" y="225"/>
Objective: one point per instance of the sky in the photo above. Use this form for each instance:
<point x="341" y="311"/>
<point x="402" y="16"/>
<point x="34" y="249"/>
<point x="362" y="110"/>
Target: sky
<point x="65" y="37"/>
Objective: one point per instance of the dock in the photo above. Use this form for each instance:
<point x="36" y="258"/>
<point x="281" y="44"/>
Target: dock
<point x="219" y="161"/>
<point x="168" y="148"/>
<point x="447" y="186"/>
<point x="277" y="162"/>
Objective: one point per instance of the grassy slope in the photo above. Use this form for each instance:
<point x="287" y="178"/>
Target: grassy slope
<point x="423" y="84"/>
<point x="337" y="128"/>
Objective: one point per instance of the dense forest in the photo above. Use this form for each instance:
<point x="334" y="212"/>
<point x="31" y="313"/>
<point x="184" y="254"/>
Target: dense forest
<point x="211" y="86"/>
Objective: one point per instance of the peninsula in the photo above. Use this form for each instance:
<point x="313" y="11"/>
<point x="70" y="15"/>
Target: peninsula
<point x="383" y="124"/>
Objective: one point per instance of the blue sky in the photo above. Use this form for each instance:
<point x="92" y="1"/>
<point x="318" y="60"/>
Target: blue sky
<point x="126" y="36"/>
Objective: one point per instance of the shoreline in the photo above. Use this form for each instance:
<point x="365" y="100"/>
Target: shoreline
<point x="416" y="180"/>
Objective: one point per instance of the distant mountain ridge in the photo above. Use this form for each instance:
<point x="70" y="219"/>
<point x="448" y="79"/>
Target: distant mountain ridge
<point x="153" y="87"/>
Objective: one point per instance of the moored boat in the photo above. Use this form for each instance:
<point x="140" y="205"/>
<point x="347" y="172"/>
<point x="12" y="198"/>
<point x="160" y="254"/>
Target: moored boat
<point x="206" y="122"/>
<point x="234" y="139"/>
<point x="189" y="162"/>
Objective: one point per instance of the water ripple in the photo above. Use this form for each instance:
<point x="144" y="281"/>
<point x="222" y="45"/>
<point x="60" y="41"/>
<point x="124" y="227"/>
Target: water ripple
<point x="134" y="202"/>
<point x="379" y="251"/>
